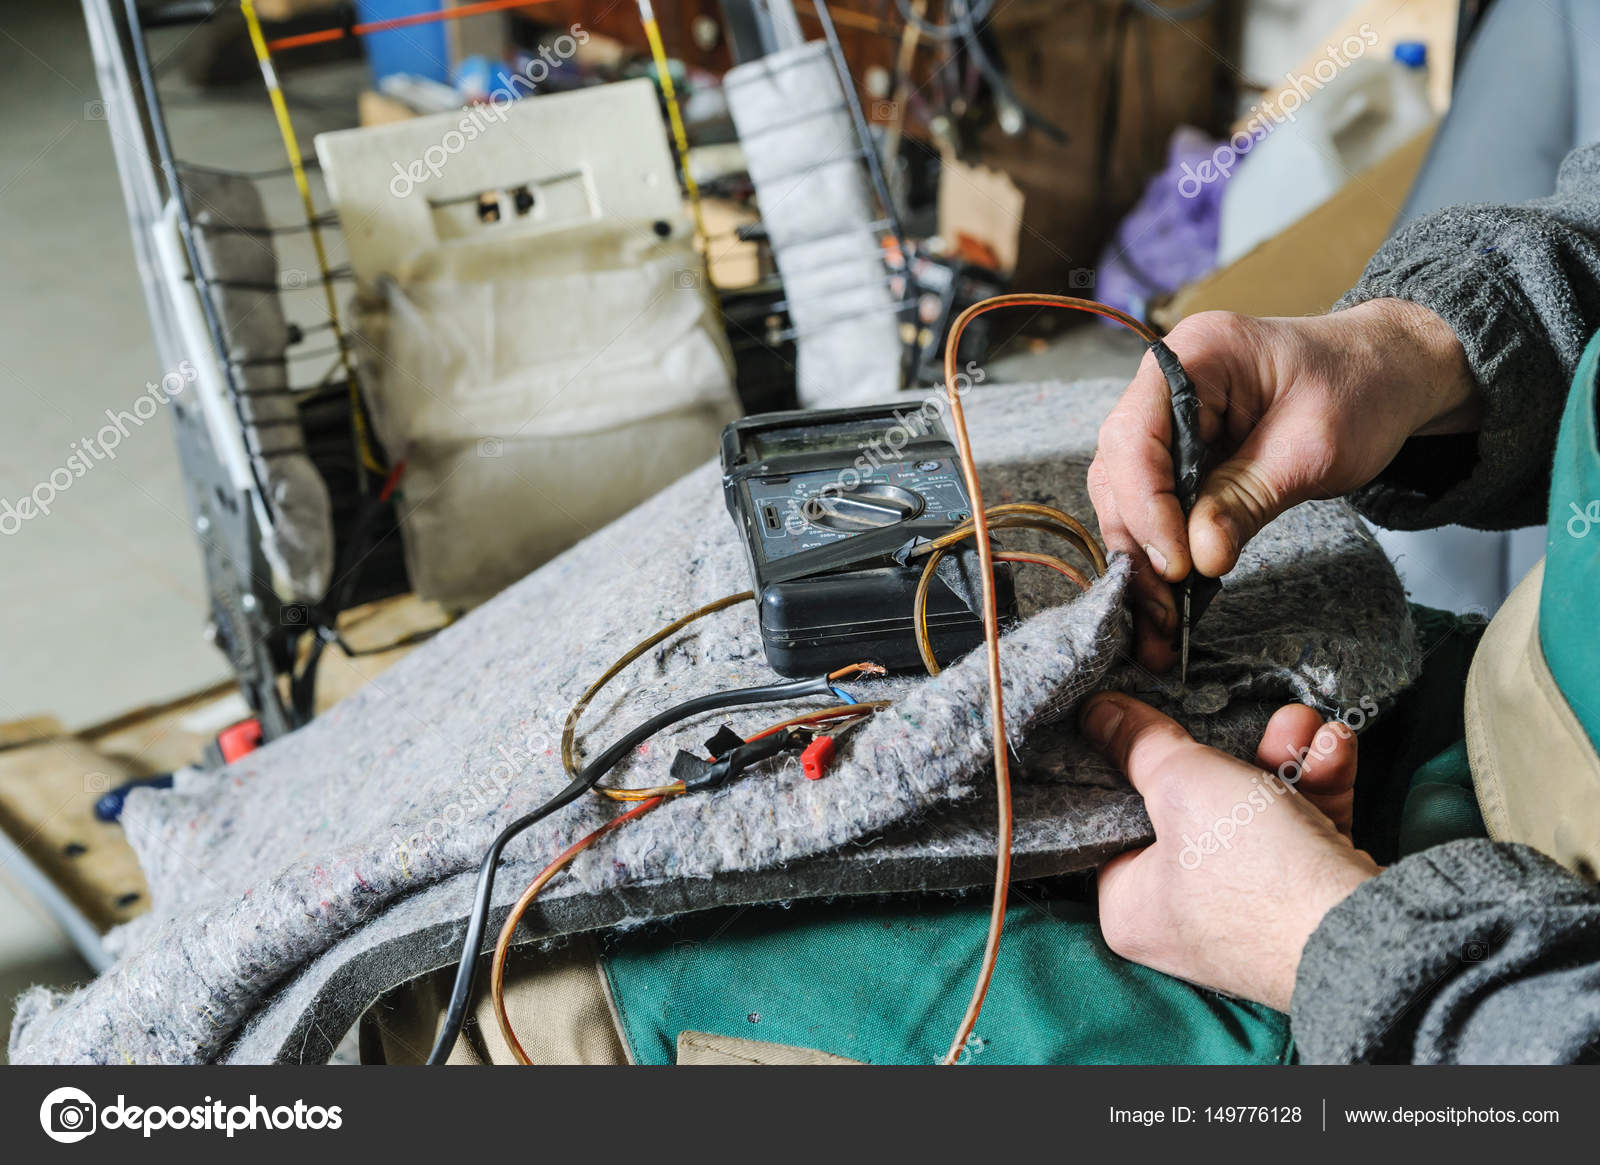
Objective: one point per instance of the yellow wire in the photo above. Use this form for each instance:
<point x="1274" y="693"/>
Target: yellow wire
<point x="680" y="139"/>
<point x="291" y="146"/>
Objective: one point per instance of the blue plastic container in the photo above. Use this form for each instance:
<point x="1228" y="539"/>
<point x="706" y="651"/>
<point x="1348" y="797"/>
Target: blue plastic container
<point x="420" y="50"/>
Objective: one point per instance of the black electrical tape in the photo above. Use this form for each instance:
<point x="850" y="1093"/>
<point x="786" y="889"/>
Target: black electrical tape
<point x="726" y="740"/>
<point x="1188" y="451"/>
<point x="698" y="774"/>
<point x="1190" y="460"/>
<point x="477" y="922"/>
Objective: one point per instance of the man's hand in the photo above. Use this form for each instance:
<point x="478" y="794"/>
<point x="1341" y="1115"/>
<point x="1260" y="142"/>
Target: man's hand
<point x="1246" y="860"/>
<point x="1294" y="409"/>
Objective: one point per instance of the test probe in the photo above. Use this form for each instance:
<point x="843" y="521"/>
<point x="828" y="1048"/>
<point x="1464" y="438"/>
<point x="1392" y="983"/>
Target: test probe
<point x="1189" y="465"/>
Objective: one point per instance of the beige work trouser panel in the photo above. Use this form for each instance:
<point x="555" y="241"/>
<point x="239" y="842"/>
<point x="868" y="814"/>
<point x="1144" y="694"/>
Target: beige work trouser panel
<point x="556" y="1000"/>
<point x="561" y="1010"/>
<point x="1536" y="774"/>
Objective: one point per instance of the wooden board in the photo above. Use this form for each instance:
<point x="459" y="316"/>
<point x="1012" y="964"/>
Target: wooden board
<point x="47" y="795"/>
<point x="50" y="779"/>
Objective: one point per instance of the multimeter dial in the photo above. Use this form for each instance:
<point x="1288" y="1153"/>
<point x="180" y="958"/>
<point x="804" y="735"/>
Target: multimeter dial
<point x="872" y="505"/>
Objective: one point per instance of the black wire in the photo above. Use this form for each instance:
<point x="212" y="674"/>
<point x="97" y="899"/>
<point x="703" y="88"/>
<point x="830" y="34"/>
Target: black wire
<point x="587" y="778"/>
<point x="880" y="182"/>
<point x="869" y="147"/>
<point x="996" y="79"/>
<point x="409" y="640"/>
<point x="325" y="618"/>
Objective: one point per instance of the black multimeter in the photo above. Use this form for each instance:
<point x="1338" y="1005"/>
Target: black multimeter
<point x="827" y="501"/>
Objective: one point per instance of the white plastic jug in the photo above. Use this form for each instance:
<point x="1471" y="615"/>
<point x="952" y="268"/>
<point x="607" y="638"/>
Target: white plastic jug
<point x="1369" y="109"/>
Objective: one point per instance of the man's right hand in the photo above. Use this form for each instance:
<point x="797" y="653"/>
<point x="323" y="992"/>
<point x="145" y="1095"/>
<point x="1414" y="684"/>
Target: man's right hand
<point x="1294" y="409"/>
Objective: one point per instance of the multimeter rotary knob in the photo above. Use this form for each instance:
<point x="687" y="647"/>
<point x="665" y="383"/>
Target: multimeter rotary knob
<point x="872" y="505"/>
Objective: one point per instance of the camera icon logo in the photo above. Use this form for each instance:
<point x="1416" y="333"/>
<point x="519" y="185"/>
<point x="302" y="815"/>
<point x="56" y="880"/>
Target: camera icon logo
<point x="885" y="110"/>
<point x="1081" y="278"/>
<point x="67" y="1115"/>
<point x="94" y="111"/>
<point x="686" y="280"/>
<point x="491" y="447"/>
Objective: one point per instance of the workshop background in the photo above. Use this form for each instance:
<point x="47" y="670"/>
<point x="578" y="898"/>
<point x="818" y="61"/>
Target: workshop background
<point x="1080" y="146"/>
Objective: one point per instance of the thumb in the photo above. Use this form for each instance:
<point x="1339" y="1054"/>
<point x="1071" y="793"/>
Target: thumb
<point x="1240" y="496"/>
<point x="1135" y="737"/>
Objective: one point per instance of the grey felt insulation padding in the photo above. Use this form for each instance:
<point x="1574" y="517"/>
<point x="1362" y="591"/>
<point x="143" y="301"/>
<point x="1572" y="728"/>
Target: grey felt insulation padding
<point x="291" y="889"/>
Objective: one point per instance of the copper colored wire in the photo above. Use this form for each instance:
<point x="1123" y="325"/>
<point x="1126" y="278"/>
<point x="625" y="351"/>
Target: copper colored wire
<point x="991" y="627"/>
<point x="502" y="946"/>
<point x="570" y="729"/>
<point x="920" y="602"/>
<point x="1011" y="515"/>
<point x="978" y="528"/>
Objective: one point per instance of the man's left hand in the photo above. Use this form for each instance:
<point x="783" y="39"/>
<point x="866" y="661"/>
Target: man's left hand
<point x="1246" y="860"/>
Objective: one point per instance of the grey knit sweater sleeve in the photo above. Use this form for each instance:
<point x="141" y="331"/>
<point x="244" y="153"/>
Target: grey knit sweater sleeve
<point x="1470" y="952"/>
<point x="1474" y="952"/>
<point x="1520" y="286"/>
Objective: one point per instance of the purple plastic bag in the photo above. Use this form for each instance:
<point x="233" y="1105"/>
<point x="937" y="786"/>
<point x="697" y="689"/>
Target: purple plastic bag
<point x="1170" y="236"/>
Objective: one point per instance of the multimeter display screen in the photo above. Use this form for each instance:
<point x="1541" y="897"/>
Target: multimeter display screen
<point x="772" y="443"/>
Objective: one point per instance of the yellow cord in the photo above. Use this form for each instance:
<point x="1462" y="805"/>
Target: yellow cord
<point x="680" y="139"/>
<point x="291" y="146"/>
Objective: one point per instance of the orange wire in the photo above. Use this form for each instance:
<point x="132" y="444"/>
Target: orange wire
<point x="826" y="715"/>
<point x="502" y="946"/>
<point x="322" y="36"/>
<point x="991" y="624"/>
<point x="1049" y="560"/>
<point x="858" y="669"/>
<point x="841" y="712"/>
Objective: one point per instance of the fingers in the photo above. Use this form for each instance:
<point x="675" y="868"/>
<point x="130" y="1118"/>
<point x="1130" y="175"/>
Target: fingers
<point x="1319" y="759"/>
<point x="1237" y="365"/>
<point x="1155" y="614"/>
<point x="1155" y="622"/>
<point x="1240" y="496"/>
<point x="1325" y="751"/>
<point x="1288" y="736"/>
<point x="1134" y="736"/>
<point x="1136" y="484"/>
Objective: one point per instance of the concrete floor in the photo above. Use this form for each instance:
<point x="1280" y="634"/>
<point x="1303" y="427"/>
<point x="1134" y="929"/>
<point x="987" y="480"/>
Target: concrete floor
<point x="104" y="598"/>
